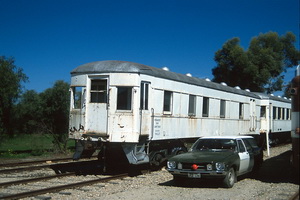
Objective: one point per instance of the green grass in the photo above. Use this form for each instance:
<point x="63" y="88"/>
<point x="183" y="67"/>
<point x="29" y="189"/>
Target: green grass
<point x="22" y="146"/>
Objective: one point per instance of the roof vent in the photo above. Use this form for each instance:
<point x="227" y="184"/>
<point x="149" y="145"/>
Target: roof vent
<point x="207" y="79"/>
<point x="223" y="83"/>
<point x="284" y="97"/>
<point x="272" y="95"/>
<point x="237" y="87"/>
<point x="247" y="90"/>
<point x="279" y="96"/>
<point x="189" y="74"/>
<point x="166" y="68"/>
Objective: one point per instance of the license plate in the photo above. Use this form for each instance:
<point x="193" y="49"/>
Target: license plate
<point x="190" y="175"/>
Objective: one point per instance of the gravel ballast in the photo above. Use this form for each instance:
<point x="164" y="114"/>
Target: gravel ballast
<point x="275" y="180"/>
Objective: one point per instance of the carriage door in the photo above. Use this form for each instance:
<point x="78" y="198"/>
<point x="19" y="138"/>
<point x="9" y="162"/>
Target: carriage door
<point x="78" y="109"/>
<point x="145" y="125"/>
<point x="97" y="106"/>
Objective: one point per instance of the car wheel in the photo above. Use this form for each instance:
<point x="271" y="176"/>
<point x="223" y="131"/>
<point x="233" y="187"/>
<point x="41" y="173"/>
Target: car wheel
<point x="230" y="178"/>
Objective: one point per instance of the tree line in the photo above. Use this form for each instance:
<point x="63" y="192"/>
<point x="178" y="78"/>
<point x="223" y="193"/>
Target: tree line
<point x="28" y="112"/>
<point x="260" y="68"/>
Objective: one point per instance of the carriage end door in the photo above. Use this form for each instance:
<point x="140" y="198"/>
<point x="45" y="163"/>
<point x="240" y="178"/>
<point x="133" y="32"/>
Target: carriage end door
<point x="96" y="118"/>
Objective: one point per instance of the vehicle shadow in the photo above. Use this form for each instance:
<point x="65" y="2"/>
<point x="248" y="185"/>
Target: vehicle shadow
<point x="277" y="170"/>
<point x="194" y="183"/>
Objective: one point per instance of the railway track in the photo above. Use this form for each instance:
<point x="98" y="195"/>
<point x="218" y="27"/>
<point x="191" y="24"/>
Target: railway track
<point x="36" y="165"/>
<point x="36" y="162"/>
<point x="36" y="168"/>
<point x="24" y="181"/>
<point x="12" y="164"/>
<point x="62" y="187"/>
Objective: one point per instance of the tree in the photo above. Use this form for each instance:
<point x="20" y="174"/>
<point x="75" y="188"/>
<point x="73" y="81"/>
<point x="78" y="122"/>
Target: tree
<point x="261" y="67"/>
<point x="11" y="78"/>
<point x="28" y="113"/>
<point x="231" y="60"/>
<point x="55" y="113"/>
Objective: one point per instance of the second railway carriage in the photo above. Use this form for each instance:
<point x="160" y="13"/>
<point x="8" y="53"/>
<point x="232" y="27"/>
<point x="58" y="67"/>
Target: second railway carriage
<point x="275" y="118"/>
<point x="143" y="114"/>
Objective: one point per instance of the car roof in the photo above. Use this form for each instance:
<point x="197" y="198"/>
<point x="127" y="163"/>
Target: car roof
<point x="226" y="137"/>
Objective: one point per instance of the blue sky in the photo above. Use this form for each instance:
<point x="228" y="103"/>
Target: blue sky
<point x="49" y="38"/>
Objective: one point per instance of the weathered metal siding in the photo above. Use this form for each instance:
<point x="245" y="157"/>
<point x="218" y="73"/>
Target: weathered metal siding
<point x="179" y="125"/>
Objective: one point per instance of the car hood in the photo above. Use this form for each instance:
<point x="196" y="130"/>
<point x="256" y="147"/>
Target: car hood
<point x="202" y="156"/>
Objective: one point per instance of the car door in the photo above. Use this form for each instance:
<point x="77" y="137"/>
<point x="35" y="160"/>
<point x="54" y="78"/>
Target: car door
<point x="251" y="153"/>
<point x="244" y="157"/>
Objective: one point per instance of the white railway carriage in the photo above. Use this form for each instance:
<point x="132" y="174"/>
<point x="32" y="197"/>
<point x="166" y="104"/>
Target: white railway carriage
<point x="148" y="113"/>
<point x="275" y="118"/>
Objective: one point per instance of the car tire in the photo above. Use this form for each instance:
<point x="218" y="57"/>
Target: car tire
<point x="230" y="178"/>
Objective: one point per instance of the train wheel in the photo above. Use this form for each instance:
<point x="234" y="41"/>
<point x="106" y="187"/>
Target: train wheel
<point x="157" y="161"/>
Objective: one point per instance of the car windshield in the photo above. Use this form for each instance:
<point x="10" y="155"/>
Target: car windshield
<point x="214" y="144"/>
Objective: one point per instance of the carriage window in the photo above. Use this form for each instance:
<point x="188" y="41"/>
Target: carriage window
<point x="222" y="108"/>
<point x="283" y="113"/>
<point x="241" y="111"/>
<point x="279" y="113"/>
<point x="274" y="112"/>
<point x="192" y="105"/>
<point x="124" y="98"/>
<point x="288" y="114"/>
<point x="167" y="101"/>
<point x="144" y="96"/>
<point x="205" y="107"/>
<point x="263" y="111"/>
<point x="98" y="91"/>
<point x="78" y="97"/>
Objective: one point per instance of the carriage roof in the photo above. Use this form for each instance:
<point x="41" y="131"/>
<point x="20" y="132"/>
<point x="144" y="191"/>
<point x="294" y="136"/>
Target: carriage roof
<point x="272" y="97"/>
<point x="112" y="66"/>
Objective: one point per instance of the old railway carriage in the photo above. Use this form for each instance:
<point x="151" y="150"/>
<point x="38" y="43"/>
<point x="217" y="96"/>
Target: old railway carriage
<point x="143" y="114"/>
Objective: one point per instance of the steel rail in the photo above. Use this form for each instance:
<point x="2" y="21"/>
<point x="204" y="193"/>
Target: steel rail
<point x="39" y="167"/>
<point x="34" y="162"/>
<point x="24" y="169"/>
<point x="62" y="187"/>
<point x="39" y="161"/>
<point x="5" y="184"/>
